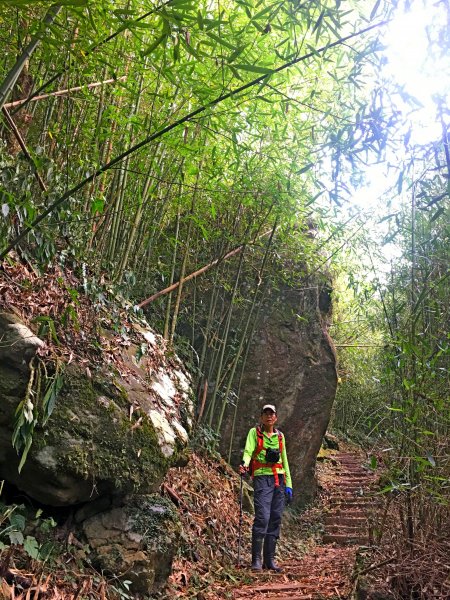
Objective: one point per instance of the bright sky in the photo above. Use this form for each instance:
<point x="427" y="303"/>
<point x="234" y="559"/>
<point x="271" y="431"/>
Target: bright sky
<point x="418" y="61"/>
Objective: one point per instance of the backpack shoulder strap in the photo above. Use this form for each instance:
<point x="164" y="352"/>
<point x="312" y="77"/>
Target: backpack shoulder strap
<point x="259" y="441"/>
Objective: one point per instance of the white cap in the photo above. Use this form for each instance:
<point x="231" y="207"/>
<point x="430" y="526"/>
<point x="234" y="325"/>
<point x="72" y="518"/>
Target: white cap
<point x="269" y="407"/>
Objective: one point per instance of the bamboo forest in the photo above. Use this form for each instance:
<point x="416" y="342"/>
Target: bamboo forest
<point x="224" y="299"/>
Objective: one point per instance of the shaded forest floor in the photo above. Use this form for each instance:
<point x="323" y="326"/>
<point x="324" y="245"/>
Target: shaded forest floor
<point x="332" y="551"/>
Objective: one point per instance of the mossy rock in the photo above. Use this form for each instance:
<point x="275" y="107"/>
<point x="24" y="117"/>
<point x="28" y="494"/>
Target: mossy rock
<point x="90" y="446"/>
<point x="135" y="541"/>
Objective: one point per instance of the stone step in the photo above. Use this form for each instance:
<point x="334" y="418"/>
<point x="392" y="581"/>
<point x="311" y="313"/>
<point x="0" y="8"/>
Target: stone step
<point x="346" y="530"/>
<point x="351" y="510"/>
<point x="343" y="540"/>
<point x="355" y="477"/>
<point x="351" y="499"/>
<point x="358" y="521"/>
<point x="342" y="494"/>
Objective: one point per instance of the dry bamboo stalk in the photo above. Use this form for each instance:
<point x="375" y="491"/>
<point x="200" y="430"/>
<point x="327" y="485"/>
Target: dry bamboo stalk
<point x="63" y="92"/>
<point x="22" y="144"/>
<point x="196" y="273"/>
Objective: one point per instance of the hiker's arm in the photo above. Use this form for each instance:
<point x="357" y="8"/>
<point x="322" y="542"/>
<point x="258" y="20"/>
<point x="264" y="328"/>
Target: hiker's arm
<point x="250" y="447"/>
<point x="284" y="460"/>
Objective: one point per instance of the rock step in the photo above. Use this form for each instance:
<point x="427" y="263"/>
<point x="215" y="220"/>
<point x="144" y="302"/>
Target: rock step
<point x="337" y="520"/>
<point x="306" y="588"/>
<point x="342" y="496"/>
<point x="341" y="518"/>
<point x="344" y="539"/>
<point x="296" y="596"/>
<point x="356" y="478"/>
<point x="343" y="468"/>
<point x="350" y="510"/>
<point x="350" y="500"/>
<point x="346" y="530"/>
<point x="355" y="475"/>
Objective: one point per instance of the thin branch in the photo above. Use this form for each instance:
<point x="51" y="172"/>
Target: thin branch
<point x="63" y="92"/>
<point x="173" y="125"/>
<point x="374" y="567"/>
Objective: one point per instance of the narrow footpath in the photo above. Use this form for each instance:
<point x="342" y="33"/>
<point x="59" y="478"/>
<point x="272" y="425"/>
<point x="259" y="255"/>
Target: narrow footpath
<point x="326" y="571"/>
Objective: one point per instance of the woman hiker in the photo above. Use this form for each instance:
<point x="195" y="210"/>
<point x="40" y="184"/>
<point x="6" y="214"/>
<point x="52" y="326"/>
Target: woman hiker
<point x="265" y="456"/>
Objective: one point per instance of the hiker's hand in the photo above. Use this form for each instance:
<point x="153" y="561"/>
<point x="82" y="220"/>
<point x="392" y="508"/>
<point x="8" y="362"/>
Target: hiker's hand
<point x="243" y="470"/>
<point x="288" y="495"/>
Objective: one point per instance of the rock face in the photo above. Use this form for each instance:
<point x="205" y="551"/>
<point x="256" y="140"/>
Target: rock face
<point x="291" y="364"/>
<point x="107" y="434"/>
<point x="112" y="435"/>
<point x="18" y="344"/>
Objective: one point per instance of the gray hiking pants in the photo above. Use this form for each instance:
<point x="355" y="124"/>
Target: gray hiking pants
<point x="269" y="505"/>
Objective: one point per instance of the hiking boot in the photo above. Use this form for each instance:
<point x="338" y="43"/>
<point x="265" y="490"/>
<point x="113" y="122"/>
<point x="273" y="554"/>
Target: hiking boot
<point x="257" y="544"/>
<point x="270" y="544"/>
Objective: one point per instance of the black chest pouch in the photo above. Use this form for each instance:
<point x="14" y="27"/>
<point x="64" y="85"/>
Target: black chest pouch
<point x="272" y="455"/>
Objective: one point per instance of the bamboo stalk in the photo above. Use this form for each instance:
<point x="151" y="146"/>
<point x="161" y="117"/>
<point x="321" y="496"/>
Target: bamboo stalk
<point x="188" y="117"/>
<point x="183" y="265"/>
<point x="215" y="262"/>
<point x="14" y="73"/>
<point x="225" y="339"/>
<point x="247" y="324"/>
<point x="22" y="144"/>
<point x="98" y="45"/>
<point x="172" y="273"/>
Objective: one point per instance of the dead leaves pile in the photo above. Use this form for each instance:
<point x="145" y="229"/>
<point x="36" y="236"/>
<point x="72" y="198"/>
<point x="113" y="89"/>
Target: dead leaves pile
<point x="93" y="330"/>
<point x="207" y="494"/>
<point x="59" y="582"/>
<point x="52" y="303"/>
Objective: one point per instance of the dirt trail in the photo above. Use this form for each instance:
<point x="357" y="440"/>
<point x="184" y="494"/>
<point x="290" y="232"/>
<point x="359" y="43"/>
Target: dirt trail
<point x="326" y="571"/>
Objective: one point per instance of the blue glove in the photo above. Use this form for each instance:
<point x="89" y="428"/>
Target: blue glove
<point x="288" y="492"/>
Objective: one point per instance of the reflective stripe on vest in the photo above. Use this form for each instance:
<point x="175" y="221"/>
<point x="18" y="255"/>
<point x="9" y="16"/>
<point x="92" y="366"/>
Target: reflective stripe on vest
<point x="259" y="446"/>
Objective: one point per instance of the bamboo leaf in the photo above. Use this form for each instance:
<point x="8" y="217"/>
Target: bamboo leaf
<point x="51" y="395"/>
<point x="431" y="460"/>
<point x="305" y="168"/>
<point x="319" y="21"/>
<point x="162" y="38"/>
<point x="221" y="41"/>
<point x="374" y="9"/>
<point x="437" y="214"/>
<point x="254" y="69"/>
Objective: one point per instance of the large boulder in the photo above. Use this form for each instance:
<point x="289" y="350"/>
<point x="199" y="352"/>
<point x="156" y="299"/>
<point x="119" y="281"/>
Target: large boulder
<point x="291" y="364"/>
<point x="111" y="432"/>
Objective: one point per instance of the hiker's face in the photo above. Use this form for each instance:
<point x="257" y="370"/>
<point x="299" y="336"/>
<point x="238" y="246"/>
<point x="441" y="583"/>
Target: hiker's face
<point x="268" y="417"/>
